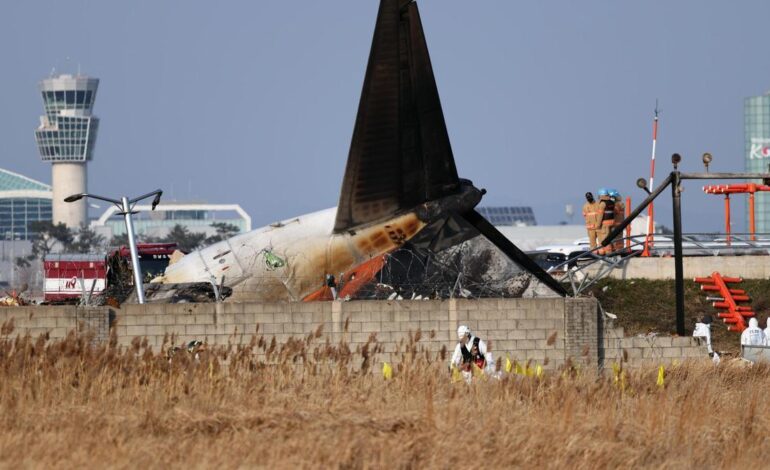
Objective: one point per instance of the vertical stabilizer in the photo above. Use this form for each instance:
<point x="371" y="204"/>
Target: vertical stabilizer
<point x="400" y="155"/>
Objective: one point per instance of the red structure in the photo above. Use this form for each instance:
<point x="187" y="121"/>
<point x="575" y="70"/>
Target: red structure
<point x="728" y="299"/>
<point x="742" y="188"/>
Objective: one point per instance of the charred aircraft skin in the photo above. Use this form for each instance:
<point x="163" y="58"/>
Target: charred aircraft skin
<point x="310" y="250"/>
<point x="402" y="204"/>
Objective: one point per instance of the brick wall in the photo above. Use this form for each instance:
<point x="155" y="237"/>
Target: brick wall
<point x="544" y="330"/>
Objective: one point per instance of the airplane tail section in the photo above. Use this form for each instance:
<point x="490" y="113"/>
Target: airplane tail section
<point x="400" y="155"/>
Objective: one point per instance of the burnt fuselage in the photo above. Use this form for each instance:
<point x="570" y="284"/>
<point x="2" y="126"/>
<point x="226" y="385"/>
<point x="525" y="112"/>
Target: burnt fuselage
<point x="309" y="250"/>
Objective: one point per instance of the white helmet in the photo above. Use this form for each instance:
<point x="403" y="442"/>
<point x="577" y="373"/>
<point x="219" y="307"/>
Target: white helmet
<point x="463" y="331"/>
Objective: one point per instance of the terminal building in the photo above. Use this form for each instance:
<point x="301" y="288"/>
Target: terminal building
<point x="757" y="142"/>
<point x="66" y="138"/>
<point x="195" y="217"/>
<point x="22" y="201"/>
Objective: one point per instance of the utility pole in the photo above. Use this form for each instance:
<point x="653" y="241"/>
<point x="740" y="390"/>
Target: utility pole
<point x="126" y="206"/>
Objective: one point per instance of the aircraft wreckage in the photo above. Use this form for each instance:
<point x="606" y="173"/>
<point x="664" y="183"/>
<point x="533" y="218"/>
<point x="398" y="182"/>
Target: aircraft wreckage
<point x="405" y="226"/>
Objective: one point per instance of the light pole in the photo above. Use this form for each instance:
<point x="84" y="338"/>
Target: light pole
<point x="125" y="205"/>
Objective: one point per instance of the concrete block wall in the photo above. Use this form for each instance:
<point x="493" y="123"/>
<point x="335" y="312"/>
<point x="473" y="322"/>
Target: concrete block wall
<point x="57" y="321"/>
<point x="637" y="351"/>
<point x="546" y="331"/>
<point x="219" y="324"/>
<point x="747" y="267"/>
<point x="582" y="331"/>
<point x="519" y="328"/>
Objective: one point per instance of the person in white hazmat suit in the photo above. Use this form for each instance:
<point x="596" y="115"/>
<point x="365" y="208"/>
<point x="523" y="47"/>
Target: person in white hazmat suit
<point x="471" y="350"/>
<point x="703" y="330"/>
<point x="753" y="335"/>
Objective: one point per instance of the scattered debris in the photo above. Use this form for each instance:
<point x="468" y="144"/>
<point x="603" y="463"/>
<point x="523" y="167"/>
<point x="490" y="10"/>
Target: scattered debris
<point x="192" y="292"/>
<point x="175" y="257"/>
<point x="193" y="348"/>
<point x="14" y="299"/>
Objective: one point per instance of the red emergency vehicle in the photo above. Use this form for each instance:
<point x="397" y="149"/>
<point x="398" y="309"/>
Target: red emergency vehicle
<point x="67" y="276"/>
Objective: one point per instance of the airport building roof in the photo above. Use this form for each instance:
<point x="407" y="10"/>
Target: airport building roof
<point x="10" y="181"/>
<point x="22" y="201"/>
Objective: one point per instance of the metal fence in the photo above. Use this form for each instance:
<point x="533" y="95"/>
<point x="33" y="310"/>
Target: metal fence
<point x="585" y="268"/>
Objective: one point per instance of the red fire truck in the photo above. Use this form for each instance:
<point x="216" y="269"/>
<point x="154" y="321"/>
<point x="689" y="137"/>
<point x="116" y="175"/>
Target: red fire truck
<point x="68" y="276"/>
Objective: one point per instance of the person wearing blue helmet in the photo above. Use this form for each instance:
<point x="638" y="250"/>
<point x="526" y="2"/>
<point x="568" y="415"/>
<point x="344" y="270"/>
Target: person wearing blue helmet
<point x="620" y="215"/>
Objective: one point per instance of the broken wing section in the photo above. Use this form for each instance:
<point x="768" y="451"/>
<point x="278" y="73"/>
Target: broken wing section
<point x="400" y="154"/>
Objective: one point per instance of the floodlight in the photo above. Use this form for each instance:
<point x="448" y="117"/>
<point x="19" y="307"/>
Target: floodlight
<point x="156" y="201"/>
<point x="707" y="158"/>
<point x="676" y="159"/>
<point x="642" y="183"/>
<point x="74" y="197"/>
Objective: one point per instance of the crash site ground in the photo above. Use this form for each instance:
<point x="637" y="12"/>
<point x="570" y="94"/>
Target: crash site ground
<point x="313" y="403"/>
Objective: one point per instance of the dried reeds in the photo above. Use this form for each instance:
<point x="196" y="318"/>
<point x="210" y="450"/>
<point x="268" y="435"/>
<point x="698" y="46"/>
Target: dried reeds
<point x="308" y="403"/>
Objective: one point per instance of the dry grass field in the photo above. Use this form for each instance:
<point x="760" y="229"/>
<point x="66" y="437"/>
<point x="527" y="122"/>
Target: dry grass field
<point x="307" y="403"/>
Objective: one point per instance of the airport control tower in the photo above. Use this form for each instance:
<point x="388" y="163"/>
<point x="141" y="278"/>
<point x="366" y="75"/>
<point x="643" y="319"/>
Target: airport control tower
<point x="66" y="138"/>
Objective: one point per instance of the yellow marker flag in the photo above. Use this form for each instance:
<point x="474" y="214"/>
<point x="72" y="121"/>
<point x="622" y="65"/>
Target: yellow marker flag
<point x="661" y="377"/>
<point x="387" y="371"/>
<point x="519" y="370"/>
<point x="528" y="371"/>
<point x="508" y="365"/>
<point x="615" y="372"/>
<point x="456" y="375"/>
<point x="539" y="371"/>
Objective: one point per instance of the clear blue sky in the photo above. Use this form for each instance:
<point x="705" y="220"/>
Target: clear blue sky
<point x="254" y="102"/>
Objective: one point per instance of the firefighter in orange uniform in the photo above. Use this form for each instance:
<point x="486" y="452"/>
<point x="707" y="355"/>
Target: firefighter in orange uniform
<point x="608" y="219"/>
<point x="620" y="214"/>
<point x="592" y="213"/>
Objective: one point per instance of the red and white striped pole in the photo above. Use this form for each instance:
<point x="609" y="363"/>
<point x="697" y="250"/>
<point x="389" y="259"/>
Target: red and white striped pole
<point x="650" y="209"/>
